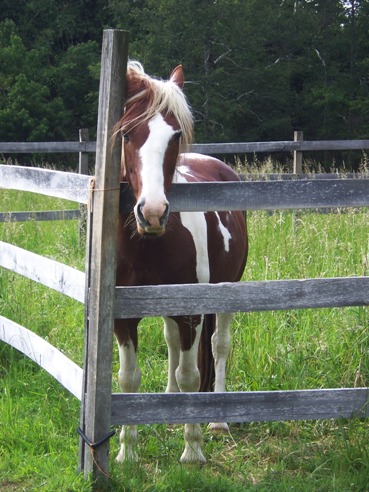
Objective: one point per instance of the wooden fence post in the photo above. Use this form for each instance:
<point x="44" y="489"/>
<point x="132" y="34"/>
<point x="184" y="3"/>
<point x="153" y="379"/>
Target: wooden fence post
<point x="84" y="136"/>
<point x="101" y="271"/>
<point x="83" y="169"/>
<point x="298" y="136"/>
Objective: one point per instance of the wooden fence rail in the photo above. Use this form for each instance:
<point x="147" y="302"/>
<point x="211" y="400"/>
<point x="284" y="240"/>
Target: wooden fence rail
<point x="202" y="148"/>
<point x="40" y="216"/>
<point x="255" y="406"/>
<point x="176" y="300"/>
<point x="229" y="196"/>
<point x="52" y="274"/>
<point x="44" y="354"/>
<point x="46" y="147"/>
<point x="68" y="186"/>
<point x="268" y="195"/>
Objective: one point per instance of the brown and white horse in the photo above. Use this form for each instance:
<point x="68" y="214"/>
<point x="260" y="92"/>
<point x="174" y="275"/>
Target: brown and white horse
<point x="156" y="246"/>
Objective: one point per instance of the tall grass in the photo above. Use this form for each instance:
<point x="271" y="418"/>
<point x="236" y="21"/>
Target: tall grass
<point x="273" y="350"/>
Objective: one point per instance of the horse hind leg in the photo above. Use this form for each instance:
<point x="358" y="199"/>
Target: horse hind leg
<point x="129" y="377"/>
<point x="220" y="342"/>
<point x="188" y="379"/>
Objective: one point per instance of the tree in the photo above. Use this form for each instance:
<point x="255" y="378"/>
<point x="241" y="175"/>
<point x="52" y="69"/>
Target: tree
<point x="254" y="70"/>
<point x="46" y="94"/>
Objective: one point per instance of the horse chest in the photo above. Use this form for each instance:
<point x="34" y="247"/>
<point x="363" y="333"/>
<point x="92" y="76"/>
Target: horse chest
<point x="165" y="260"/>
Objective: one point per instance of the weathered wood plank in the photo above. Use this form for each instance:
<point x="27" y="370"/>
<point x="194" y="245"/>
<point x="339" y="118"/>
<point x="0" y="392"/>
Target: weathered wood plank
<point x="44" y="354"/>
<point x="243" y="147"/>
<point x="310" y="193"/>
<point x="174" y="300"/>
<point x="201" y="148"/>
<point x="40" y="216"/>
<point x="102" y="270"/>
<point x="334" y="145"/>
<point x="46" y="147"/>
<point x="282" y="146"/>
<point x="261" y="195"/>
<point x="57" y="276"/>
<point x="70" y="186"/>
<point x="293" y="177"/>
<point x="270" y="195"/>
<point x="257" y="406"/>
<point x="298" y="136"/>
<point x="84" y="137"/>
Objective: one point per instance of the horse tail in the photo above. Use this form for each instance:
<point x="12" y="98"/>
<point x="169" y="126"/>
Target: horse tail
<point x="205" y="354"/>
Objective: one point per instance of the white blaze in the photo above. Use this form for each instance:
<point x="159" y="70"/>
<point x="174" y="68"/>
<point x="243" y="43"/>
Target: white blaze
<point x="152" y="158"/>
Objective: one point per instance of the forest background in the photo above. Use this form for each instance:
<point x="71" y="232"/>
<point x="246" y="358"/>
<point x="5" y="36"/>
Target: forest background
<point x="255" y="70"/>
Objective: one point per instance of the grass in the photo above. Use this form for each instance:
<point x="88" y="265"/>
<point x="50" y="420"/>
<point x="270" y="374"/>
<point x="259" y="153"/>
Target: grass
<point x="273" y="350"/>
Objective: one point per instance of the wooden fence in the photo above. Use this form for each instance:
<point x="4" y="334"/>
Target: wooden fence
<point x="301" y="146"/>
<point x="84" y="147"/>
<point x="104" y="302"/>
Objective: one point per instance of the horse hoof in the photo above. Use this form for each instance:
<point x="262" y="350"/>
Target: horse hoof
<point x="219" y="428"/>
<point x="124" y="457"/>
<point x="190" y="457"/>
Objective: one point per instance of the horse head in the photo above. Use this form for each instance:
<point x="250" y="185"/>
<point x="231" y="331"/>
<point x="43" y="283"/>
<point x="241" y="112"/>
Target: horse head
<point x="157" y="122"/>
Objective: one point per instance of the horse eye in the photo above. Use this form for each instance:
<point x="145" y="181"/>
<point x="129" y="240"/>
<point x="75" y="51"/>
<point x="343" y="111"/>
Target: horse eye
<point x="125" y="136"/>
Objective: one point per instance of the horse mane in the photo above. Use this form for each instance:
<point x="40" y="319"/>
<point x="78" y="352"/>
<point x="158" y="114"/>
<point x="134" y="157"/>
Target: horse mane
<point x="147" y="96"/>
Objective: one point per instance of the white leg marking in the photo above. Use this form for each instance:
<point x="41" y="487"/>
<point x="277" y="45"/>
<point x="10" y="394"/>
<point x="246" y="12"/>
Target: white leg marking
<point x="192" y="452"/>
<point x="188" y="379"/>
<point x="129" y="377"/>
<point x="220" y="343"/>
<point x="171" y="334"/>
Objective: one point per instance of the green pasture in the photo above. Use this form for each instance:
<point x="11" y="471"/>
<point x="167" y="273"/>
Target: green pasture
<point x="304" y="349"/>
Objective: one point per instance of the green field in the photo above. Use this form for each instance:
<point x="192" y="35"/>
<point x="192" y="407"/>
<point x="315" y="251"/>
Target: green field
<point x="304" y="349"/>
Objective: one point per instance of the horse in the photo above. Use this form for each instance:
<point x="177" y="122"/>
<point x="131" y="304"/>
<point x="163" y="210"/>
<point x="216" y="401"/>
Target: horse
<point x="156" y="246"/>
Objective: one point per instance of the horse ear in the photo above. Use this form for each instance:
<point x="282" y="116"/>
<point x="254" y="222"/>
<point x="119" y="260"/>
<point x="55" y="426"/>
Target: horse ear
<point x="178" y="76"/>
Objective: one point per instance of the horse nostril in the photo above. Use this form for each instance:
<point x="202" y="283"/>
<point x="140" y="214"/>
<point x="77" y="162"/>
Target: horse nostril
<point x="164" y="217"/>
<point x="139" y="209"/>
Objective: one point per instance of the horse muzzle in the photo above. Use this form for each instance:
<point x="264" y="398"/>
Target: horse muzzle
<point x="151" y="221"/>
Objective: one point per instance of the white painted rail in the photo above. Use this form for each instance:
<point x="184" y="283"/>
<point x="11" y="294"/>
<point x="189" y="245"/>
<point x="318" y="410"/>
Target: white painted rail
<point x="44" y="354"/>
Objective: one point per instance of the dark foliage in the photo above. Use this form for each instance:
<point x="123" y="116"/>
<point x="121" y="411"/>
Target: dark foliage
<point x="255" y="70"/>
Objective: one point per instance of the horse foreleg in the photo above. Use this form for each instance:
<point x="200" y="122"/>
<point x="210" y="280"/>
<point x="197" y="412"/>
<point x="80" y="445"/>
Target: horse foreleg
<point x="220" y="343"/>
<point x="188" y="379"/>
<point x="129" y="377"/>
<point x="171" y="333"/>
